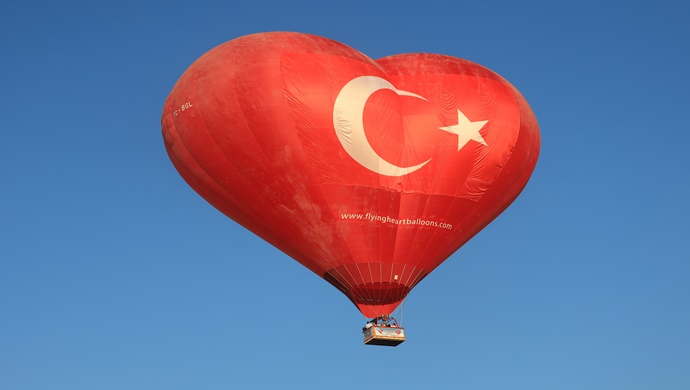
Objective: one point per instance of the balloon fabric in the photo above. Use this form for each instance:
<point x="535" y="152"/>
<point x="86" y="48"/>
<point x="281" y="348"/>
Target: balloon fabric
<point x="368" y="172"/>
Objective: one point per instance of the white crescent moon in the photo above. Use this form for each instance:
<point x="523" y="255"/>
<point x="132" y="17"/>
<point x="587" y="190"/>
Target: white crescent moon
<point x="348" y="111"/>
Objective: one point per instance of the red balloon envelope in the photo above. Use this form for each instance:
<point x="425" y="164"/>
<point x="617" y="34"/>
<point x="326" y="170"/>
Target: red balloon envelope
<point x="368" y="172"/>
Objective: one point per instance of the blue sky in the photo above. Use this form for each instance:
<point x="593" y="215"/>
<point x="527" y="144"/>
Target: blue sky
<point x="114" y="274"/>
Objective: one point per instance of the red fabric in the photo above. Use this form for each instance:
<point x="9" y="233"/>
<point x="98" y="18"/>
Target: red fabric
<point x="254" y="127"/>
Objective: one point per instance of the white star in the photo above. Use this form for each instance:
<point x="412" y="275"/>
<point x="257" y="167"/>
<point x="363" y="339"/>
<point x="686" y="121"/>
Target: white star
<point x="466" y="130"/>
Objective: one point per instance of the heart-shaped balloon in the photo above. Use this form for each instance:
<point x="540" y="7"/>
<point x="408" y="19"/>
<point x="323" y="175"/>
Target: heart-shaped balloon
<point x="369" y="173"/>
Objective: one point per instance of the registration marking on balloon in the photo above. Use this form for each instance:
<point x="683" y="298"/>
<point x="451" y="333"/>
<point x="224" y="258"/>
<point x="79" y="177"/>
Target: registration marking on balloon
<point x="348" y="112"/>
<point x="183" y="107"/>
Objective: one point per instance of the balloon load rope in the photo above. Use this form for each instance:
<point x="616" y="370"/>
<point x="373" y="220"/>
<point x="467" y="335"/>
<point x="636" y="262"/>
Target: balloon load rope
<point x="401" y="311"/>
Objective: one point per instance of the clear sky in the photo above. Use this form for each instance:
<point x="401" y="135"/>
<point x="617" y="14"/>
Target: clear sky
<point x="114" y="274"/>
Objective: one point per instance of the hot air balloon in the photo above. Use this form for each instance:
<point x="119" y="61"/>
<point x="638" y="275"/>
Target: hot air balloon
<point x="370" y="173"/>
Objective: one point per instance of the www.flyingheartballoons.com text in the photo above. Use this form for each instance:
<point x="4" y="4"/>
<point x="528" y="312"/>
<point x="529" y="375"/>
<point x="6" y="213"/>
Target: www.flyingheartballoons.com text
<point x="402" y="221"/>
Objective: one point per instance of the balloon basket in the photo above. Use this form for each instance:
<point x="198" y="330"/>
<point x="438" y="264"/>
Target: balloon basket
<point x="386" y="336"/>
<point x="383" y="331"/>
